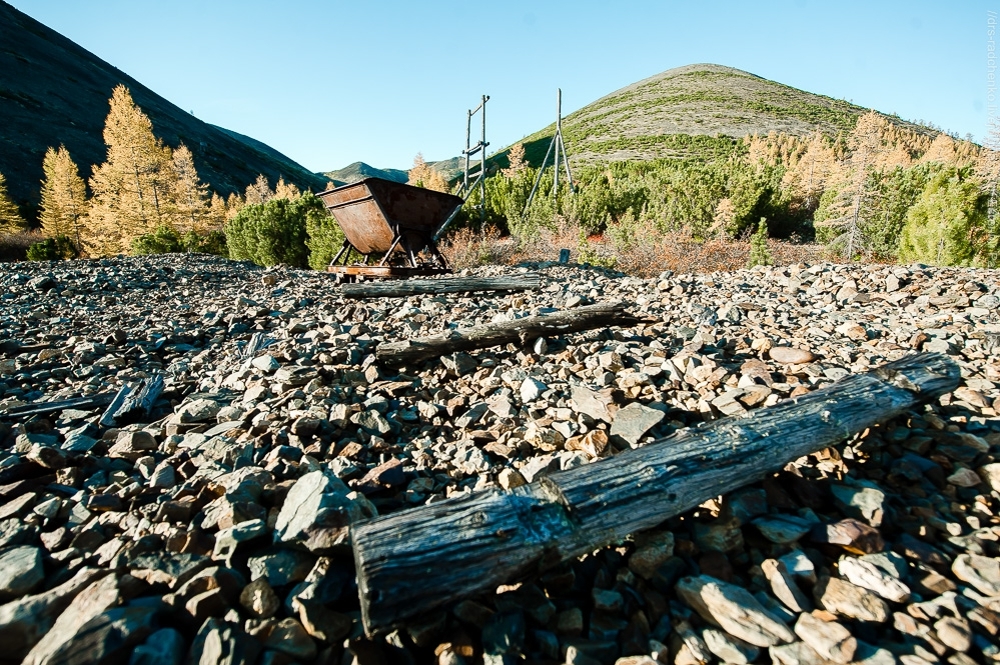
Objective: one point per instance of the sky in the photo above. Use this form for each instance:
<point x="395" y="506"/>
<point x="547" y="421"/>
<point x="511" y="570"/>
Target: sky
<point x="329" y="83"/>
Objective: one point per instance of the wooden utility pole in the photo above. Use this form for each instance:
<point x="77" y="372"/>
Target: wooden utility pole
<point x="555" y="146"/>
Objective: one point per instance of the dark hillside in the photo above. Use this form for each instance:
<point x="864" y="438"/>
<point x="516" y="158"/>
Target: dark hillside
<point x="53" y="91"/>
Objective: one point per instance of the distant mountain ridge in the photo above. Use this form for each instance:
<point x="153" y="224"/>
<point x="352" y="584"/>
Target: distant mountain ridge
<point x="53" y="91"/>
<point x="449" y="168"/>
<point x="359" y="171"/>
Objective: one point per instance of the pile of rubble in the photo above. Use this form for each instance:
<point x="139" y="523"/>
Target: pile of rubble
<point x="214" y="525"/>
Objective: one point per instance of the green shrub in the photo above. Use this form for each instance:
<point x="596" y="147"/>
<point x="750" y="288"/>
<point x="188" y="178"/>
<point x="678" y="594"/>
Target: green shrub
<point x="325" y="238"/>
<point x="948" y="224"/>
<point x="214" y="242"/>
<point x="276" y="231"/>
<point x="164" y="240"/>
<point x="760" y="255"/>
<point x="52" y="249"/>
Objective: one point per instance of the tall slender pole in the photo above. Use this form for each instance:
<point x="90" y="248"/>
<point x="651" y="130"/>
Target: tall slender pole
<point x="482" y="168"/>
<point x="555" y="139"/>
<point x="555" y="145"/>
<point x="468" y="145"/>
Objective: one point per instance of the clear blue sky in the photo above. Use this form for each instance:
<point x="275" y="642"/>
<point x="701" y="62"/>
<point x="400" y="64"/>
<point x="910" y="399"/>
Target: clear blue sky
<point x="330" y="83"/>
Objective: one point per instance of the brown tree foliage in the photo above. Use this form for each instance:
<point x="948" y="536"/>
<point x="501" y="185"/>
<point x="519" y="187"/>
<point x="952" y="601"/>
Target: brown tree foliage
<point x="286" y="190"/>
<point x="422" y="175"/>
<point x="515" y="157"/>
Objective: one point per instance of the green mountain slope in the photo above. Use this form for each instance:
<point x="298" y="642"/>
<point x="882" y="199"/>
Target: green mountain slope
<point x="53" y="91"/>
<point x="692" y="111"/>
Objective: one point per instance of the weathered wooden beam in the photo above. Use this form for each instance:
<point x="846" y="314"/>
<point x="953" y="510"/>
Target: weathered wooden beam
<point x="401" y="288"/>
<point x="43" y="408"/>
<point x="131" y="404"/>
<point x="415" y="560"/>
<point x="494" y="334"/>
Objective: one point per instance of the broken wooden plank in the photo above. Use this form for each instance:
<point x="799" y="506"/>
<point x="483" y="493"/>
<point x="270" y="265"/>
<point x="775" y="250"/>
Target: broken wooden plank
<point x="131" y="404"/>
<point x="12" y="347"/>
<point x="400" y="289"/>
<point x="520" y="331"/>
<point x="43" y="408"/>
<point x="258" y="342"/>
<point x="415" y="560"/>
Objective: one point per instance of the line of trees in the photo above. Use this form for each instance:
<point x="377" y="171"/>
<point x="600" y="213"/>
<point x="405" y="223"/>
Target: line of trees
<point x="146" y="197"/>
<point x="881" y="192"/>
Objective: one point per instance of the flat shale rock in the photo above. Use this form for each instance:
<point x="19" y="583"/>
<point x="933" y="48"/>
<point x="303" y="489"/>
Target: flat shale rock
<point x="633" y="421"/>
<point x="317" y="513"/>
<point x="89" y="604"/>
<point x="21" y="571"/>
<point x="107" y="638"/>
<point x="219" y="643"/>
<point x="849" y="600"/>
<point x="23" y="622"/>
<point x="163" y="647"/>
<point x="734" y="610"/>
<point x="829" y="639"/>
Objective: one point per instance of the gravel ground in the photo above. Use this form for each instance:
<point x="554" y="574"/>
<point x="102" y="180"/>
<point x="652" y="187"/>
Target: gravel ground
<point x="216" y="526"/>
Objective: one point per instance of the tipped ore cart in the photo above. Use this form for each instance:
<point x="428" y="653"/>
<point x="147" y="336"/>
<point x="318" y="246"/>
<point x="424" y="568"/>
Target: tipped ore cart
<point x="391" y="227"/>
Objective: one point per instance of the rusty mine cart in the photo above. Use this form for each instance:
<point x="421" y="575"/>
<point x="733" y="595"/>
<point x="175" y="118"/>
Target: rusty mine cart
<point x="392" y="227"/>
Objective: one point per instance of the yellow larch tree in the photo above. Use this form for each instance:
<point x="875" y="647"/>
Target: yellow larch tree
<point x="64" y="196"/>
<point x="867" y="146"/>
<point x="286" y="190"/>
<point x="215" y="218"/>
<point x="422" y="175"/>
<point x="515" y="159"/>
<point x="951" y="152"/>
<point x="259" y="192"/>
<point x="10" y="219"/>
<point x="131" y="190"/>
<point x="234" y="204"/>
<point x="189" y="197"/>
<point x="807" y="178"/>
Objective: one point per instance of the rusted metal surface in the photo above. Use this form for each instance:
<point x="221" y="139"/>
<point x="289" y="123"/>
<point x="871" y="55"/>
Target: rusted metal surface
<point x="379" y="216"/>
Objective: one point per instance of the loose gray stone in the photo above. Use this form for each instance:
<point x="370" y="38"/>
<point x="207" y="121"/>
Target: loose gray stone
<point x="317" y="513"/>
<point x="21" y="571"/>
<point x="734" y="610"/>
<point x="633" y="421"/>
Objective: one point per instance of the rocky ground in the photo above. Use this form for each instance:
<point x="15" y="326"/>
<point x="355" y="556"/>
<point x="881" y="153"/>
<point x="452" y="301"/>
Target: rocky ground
<point x="216" y="528"/>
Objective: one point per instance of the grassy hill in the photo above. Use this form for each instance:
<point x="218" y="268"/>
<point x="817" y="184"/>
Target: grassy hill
<point x="53" y="91"/>
<point x="692" y="111"/>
